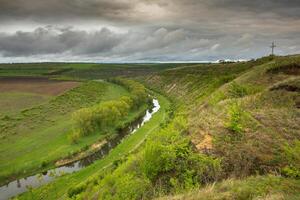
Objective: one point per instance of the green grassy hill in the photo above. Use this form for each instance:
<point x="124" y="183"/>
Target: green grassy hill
<point x="262" y="95"/>
<point x="246" y="114"/>
<point x="231" y="132"/>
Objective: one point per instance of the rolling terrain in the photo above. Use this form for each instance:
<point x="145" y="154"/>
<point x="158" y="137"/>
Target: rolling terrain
<point x="81" y="71"/>
<point x="247" y="115"/>
<point x="223" y="131"/>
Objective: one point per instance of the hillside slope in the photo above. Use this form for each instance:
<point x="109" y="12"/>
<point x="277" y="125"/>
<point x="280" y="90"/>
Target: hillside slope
<point x="246" y="114"/>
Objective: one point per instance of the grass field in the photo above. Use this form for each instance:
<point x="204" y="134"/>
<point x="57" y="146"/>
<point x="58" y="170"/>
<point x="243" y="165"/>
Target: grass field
<point x="13" y="102"/>
<point x="81" y="70"/>
<point x="35" y="137"/>
<point x="58" y="189"/>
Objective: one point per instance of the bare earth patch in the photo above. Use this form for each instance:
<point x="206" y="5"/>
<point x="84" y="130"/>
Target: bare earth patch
<point x="36" y="85"/>
<point x="205" y="144"/>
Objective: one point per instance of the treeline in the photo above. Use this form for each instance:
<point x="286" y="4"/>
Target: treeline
<point x="137" y="91"/>
<point x="103" y="115"/>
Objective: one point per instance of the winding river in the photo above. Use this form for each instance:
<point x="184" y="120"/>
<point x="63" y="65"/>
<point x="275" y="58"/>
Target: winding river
<point x="22" y="185"/>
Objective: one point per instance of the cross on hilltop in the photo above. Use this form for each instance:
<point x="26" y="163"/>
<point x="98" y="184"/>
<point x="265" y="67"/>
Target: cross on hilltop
<point x="273" y="47"/>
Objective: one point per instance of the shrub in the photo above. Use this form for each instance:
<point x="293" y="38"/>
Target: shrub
<point x="292" y="155"/>
<point x="235" y="120"/>
<point x="73" y="191"/>
<point x="158" y="158"/>
<point x="84" y="121"/>
<point x="169" y="161"/>
<point x="44" y="164"/>
<point x="217" y="97"/>
<point x="125" y="187"/>
<point x="74" y="137"/>
<point x="237" y="90"/>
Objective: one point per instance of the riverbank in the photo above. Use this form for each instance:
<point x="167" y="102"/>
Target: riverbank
<point x="37" y="137"/>
<point x="59" y="187"/>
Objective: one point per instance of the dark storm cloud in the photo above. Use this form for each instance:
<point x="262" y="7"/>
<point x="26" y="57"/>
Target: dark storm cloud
<point x="118" y="30"/>
<point x="50" y="40"/>
<point x="48" y="11"/>
<point x="125" y="10"/>
<point x="289" y="8"/>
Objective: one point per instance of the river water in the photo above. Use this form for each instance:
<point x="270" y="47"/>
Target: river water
<point x="22" y="185"/>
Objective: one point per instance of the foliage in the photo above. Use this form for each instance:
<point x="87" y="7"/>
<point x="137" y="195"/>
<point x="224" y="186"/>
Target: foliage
<point x="170" y="163"/>
<point x="74" y="137"/>
<point x="167" y="163"/>
<point x="137" y="90"/>
<point x="235" y="119"/>
<point x="101" y="116"/>
<point x="292" y="154"/>
<point x="124" y="187"/>
<point x="84" y="119"/>
<point x="237" y="90"/>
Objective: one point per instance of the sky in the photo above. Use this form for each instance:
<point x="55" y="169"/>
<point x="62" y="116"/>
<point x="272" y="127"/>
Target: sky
<point x="146" y="30"/>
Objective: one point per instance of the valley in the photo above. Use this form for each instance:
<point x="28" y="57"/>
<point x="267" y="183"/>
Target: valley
<point x="219" y="131"/>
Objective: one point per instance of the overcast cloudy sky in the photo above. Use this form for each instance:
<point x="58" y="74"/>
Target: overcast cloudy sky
<point x="146" y="30"/>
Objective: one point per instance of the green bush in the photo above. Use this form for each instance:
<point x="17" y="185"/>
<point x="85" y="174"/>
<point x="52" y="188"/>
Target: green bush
<point x="292" y="155"/>
<point x="235" y="120"/>
<point x="44" y="164"/>
<point x="237" y="90"/>
<point x="170" y="163"/>
<point x="73" y="191"/>
<point x="84" y="121"/>
<point x="125" y="187"/>
<point x="74" y="137"/>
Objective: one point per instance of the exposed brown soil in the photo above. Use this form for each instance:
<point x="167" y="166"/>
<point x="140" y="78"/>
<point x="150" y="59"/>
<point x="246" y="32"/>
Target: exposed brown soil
<point x="36" y="85"/>
<point x="290" y="88"/>
<point x="290" y="69"/>
<point x="205" y="144"/>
